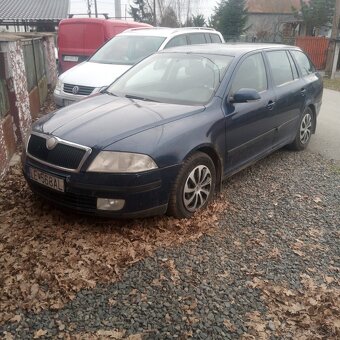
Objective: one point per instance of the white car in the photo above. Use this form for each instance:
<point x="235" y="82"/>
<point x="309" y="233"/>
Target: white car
<point x="122" y="52"/>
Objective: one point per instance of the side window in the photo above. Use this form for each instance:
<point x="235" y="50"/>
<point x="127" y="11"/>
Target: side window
<point x="207" y="38"/>
<point x="251" y="74"/>
<point x="293" y="65"/>
<point x="215" y="38"/>
<point x="305" y="65"/>
<point x="180" y="40"/>
<point x="280" y="66"/>
<point x="197" y="38"/>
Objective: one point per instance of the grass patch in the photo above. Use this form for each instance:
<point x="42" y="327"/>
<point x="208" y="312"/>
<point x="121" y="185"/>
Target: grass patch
<point x="335" y="169"/>
<point x="332" y="84"/>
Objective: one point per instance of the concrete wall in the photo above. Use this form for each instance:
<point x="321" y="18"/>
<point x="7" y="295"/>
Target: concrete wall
<point x="15" y="123"/>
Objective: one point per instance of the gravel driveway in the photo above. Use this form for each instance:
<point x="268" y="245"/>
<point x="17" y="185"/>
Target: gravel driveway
<point x="263" y="263"/>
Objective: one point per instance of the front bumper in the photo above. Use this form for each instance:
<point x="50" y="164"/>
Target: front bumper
<point x="62" y="99"/>
<point x="145" y="194"/>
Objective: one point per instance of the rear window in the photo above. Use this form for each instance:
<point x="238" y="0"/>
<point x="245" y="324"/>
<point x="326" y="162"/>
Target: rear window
<point x="305" y="65"/>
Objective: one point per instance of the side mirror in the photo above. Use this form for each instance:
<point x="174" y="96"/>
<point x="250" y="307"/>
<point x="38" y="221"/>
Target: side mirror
<point x="245" y="95"/>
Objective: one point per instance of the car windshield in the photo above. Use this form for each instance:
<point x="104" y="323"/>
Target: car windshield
<point x="127" y="49"/>
<point x="188" y="79"/>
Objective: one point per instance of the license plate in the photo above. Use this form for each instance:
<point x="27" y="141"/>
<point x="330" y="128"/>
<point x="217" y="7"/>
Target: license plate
<point x="68" y="102"/>
<point x="70" y="58"/>
<point x="47" y="180"/>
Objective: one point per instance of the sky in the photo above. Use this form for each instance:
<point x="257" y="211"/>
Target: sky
<point x="107" y="6"/>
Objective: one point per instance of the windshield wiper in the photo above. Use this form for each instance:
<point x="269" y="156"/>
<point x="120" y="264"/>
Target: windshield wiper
<point x="110" y="93"/>
<point x="130" y="96"/>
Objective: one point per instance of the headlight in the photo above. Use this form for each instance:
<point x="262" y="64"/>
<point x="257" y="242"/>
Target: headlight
<point x="59" y="85"/>
<point x="110" y="161"/>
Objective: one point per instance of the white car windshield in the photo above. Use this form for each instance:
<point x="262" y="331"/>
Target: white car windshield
<point x="127" y="50"/>
<point x="178" y="78"/>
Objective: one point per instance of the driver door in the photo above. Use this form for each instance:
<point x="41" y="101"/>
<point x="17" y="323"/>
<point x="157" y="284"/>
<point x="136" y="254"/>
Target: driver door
<point x="250" y="126"/>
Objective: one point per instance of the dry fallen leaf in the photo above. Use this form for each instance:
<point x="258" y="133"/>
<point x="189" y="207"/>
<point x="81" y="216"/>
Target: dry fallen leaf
<point x="114" y="334"/>
<point x="16" y="318"/>
<point x="39" y="333"/>
<point x="229" y="325"/>
<point x="317" y="199"/>
<point x="135" y="337"/>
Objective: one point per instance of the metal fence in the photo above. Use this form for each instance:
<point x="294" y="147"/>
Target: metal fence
<point x="316" y="48"/>
<point x="4" y="100"/>
<point x="35" y="66"/>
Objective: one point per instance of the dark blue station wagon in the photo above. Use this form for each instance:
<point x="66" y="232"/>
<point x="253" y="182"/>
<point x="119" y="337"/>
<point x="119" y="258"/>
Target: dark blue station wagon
<point x="164" y="135"/>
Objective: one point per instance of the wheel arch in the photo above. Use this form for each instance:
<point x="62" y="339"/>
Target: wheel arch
<point x="215" y="157"/>
<point x="312" y="107"/>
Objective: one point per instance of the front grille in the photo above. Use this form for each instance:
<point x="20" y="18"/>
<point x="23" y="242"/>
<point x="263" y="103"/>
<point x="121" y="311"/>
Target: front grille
<point x="65" y="156"/>
<point x="82" y="90"/>
<point x="67" y="199"/>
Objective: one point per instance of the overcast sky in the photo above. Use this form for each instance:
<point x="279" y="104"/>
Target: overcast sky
<point x="107" y="6"/>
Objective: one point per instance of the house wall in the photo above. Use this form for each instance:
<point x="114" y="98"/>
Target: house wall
<point x="268" y="27"/>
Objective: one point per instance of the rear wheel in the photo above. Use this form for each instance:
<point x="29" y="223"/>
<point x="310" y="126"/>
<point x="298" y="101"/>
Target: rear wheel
<point x="304" y="132"/>
<point x="194" y="186"/>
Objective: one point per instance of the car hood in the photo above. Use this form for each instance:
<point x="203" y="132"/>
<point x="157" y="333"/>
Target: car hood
<point x="104" y="119"/>
<point x="93" y="74"/>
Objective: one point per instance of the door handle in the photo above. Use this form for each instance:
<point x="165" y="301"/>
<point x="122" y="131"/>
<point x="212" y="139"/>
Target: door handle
<point x="303" y="91"/>
<point x="270" y="105"/>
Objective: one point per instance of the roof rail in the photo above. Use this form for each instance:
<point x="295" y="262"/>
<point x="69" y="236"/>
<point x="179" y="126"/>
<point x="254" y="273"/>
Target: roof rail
<point x="175" y="29"/>
<point x="140" y="28"/>
<point x="199" y="28"/>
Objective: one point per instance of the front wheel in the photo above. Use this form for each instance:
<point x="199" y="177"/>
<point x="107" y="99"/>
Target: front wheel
<point x="194" y="186"/>
<point x="304" y="132"/>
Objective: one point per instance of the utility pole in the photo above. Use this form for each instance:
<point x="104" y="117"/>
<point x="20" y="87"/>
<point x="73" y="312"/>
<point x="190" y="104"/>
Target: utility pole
<point x="89" y="8"/>
<point x="118" y="9"/>
<point x="95" y="8"/>
<point x="333" y="50"/>
<point x="154" y="13"/>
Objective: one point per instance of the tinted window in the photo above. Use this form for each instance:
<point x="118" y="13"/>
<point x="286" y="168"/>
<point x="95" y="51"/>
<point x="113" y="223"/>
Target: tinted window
<point x="281" y="70"/>
<point x="251" y="74"/>
<point x="215" y="38"/>
<point x="305" y="65"/>
<point x="177" y="41"/>
<point x="197" y="38"/>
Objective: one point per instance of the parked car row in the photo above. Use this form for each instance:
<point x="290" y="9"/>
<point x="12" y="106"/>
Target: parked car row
<point x="79" y="38"/>
<point x="163" y="136"/>
<point x="119" y="54"/>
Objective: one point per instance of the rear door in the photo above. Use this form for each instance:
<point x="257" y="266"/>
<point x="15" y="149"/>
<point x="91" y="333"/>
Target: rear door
<point x="249" y="126"/>
<point x="311" y="78"/>
<point x="290" y="95"/>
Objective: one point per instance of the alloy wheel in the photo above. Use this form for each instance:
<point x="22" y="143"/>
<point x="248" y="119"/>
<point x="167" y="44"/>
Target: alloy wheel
<point x="197" y="188"/>
<point x="306" y="128"/>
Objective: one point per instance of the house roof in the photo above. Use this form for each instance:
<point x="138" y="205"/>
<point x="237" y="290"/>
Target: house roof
<point x="34" y="10"/>
<point x="273" y="6"/>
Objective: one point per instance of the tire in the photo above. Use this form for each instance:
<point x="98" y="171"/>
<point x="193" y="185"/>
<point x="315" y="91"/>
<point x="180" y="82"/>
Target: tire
<point x="304" y="132"/>
<point x="194" y="186"/>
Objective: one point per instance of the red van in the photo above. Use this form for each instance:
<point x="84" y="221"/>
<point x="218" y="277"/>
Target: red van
<point x="79" y="38"/>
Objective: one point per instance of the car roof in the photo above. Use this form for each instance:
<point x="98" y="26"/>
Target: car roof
<point x="232" y="49"/>
<point x="166" y="31"/>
